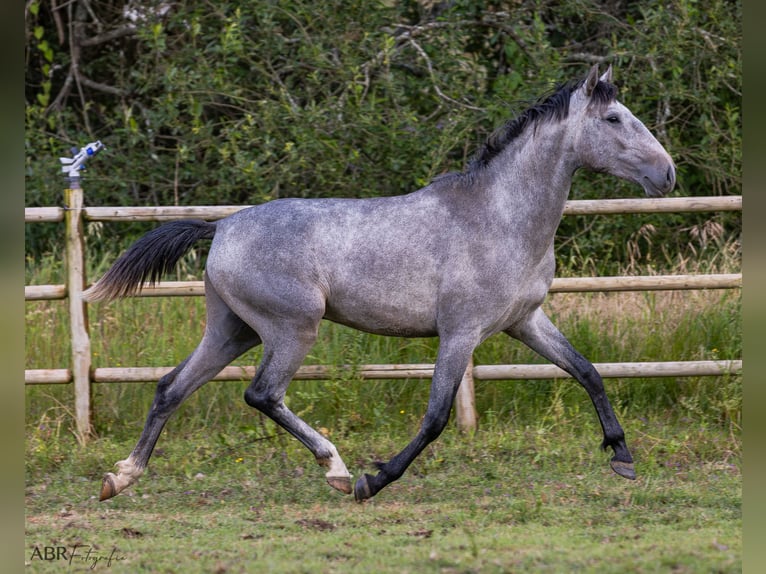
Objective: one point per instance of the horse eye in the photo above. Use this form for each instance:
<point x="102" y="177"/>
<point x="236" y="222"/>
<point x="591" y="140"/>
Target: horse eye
<point x="613" y="119"/>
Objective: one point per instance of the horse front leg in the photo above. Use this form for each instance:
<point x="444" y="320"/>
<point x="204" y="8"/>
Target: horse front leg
<point x="542" y="336"/>
<point x="451" y="363"/>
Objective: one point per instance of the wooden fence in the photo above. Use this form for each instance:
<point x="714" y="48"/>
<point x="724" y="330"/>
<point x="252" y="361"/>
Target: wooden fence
<point x="82" y="375"/>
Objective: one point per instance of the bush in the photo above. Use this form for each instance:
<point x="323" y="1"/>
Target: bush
<point x="243" y="101"/>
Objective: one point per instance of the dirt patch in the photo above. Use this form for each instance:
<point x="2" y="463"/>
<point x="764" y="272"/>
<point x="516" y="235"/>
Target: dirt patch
<point x="315" y="524"/>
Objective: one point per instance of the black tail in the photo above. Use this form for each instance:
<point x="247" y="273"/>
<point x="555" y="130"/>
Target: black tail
<point x="149" y="258"/>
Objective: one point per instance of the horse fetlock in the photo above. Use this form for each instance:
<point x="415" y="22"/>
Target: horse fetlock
<point x="127" y="474"/>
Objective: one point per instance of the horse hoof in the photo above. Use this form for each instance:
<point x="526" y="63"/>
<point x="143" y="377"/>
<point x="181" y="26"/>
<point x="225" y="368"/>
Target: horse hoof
<point x="362" y="490"/>
<point x="624" y="469"/>
<point x="108" y="489"/>
<point x="340" y="483"/>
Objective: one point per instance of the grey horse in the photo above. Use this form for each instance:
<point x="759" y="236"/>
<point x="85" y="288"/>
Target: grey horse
<point x="467" y="256"/>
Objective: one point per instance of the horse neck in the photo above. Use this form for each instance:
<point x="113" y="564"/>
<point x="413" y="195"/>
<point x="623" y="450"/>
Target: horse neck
<point x="529" y="181"/>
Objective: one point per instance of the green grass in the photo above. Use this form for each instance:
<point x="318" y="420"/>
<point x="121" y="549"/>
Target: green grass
<point x="534" y="499"/>
<point x="227" y="491"/>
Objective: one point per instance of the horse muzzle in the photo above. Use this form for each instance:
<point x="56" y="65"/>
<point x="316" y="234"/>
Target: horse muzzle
<point x="658" y="180"/>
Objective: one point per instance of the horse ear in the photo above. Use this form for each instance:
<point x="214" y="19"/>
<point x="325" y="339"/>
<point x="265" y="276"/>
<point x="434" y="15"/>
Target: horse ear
<point x="607" y="76"/>
<point x="591" y="80"/>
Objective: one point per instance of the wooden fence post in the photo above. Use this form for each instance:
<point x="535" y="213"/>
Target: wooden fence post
<point x="465" y="403"/>
<point x="75" y="285"/>
<point x="78" y="311"/>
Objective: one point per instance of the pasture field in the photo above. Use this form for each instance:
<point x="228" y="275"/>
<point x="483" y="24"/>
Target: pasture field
<point x="227" y="491"/>
<point x="538" y="498"/>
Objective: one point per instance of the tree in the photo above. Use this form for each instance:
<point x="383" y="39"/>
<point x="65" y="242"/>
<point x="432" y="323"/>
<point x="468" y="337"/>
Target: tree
<point x="243" y="101"/>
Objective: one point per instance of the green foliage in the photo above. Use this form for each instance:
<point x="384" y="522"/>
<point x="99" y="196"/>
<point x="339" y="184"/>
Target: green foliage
<point x="243" y="101"/>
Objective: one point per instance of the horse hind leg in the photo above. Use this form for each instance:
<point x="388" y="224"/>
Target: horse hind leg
<point x="226" y="337"/>
<point x="281" y="358"/>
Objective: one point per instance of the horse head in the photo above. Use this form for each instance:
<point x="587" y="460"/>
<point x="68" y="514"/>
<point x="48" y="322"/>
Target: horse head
<point x="611" y="139"/>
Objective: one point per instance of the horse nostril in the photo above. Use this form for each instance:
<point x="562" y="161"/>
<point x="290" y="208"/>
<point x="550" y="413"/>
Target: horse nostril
<point x="670" y="177"/>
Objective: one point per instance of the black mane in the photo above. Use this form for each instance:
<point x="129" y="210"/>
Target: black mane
<point x="554" y="106"/>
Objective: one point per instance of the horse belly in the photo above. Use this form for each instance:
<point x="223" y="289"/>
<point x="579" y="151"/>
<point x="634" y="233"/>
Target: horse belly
<point x="369" y="308"/>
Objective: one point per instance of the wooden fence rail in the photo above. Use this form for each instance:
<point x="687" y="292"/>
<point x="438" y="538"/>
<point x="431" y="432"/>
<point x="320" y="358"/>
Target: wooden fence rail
<point x="572" y="207"/>
<point x="81" y="373"/>
<point x="408" y="371"/>
<point x="559" y="285"/>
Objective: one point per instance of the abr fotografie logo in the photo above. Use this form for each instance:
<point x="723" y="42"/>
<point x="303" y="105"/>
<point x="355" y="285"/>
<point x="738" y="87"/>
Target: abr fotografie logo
<point x="76" y="554"/>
